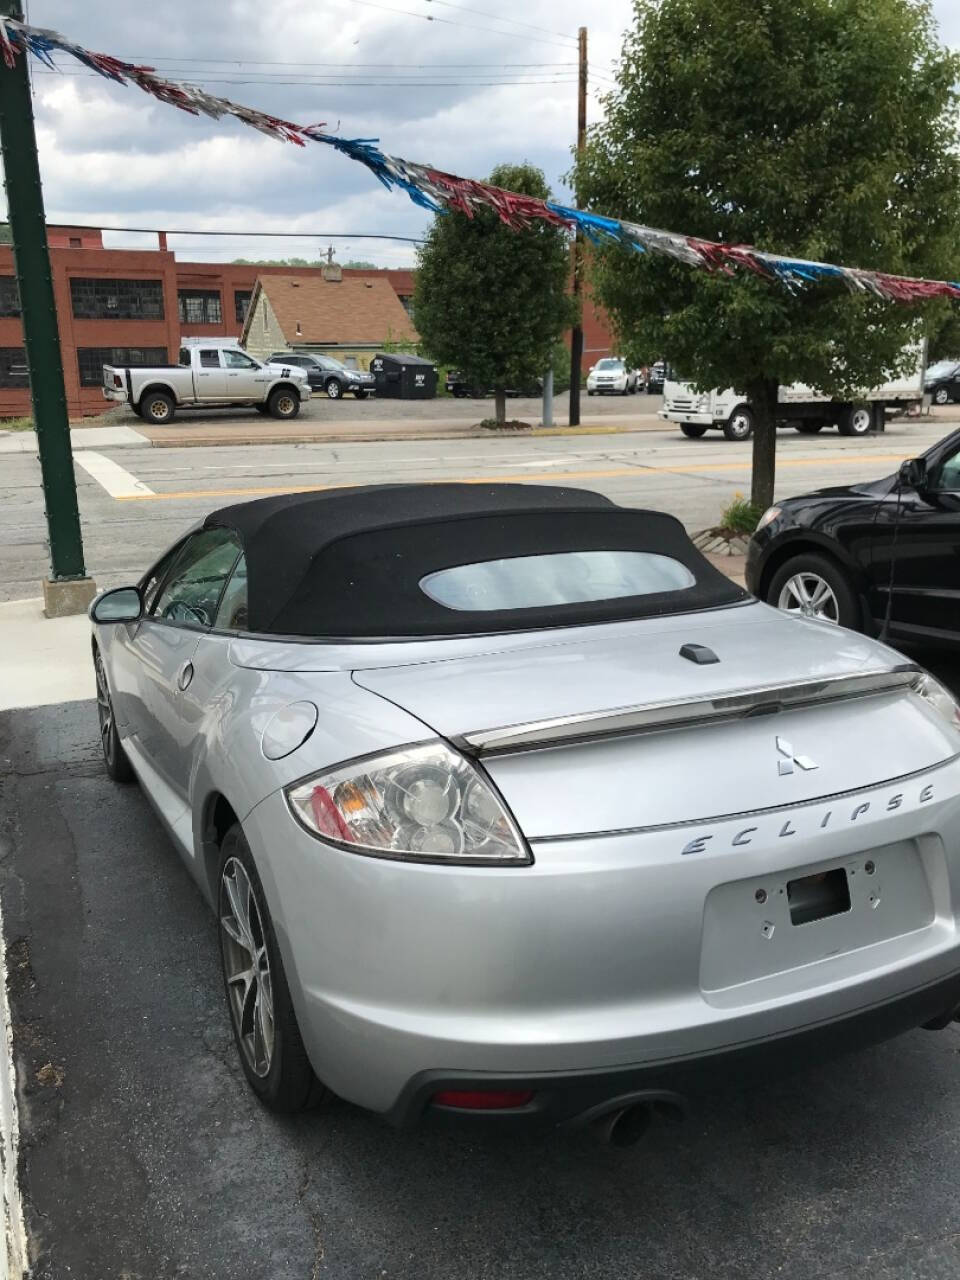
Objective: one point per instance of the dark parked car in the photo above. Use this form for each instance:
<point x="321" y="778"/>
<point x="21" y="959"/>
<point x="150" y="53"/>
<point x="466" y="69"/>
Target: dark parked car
<point x="942" y="382"/>
<point x="326" y="374"/>
<point x="838" y="554"/>
<point x="655" y="378"/>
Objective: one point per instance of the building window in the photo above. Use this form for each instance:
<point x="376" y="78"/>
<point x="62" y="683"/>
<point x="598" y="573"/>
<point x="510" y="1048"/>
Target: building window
<point x="103" y="299"/>
<point x="9" y="296"/>
<point x="90" y="360"/>
<point x="76" y="242"/>
<point x="13" y="367"/>
<point x="241" y="303"/>
<point x="200" y="306"/>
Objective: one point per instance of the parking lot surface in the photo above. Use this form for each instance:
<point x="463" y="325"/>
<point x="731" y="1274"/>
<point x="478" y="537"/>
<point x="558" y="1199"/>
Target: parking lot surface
<point x="145" y="1157"/>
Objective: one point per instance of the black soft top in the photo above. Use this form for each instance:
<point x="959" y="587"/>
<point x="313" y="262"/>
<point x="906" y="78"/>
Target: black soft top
<point x="347" y="563"/>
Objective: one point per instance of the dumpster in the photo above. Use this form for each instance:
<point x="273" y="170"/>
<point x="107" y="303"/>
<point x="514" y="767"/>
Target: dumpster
<point x="404" y="377"/>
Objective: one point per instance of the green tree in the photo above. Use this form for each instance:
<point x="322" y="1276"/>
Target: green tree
<point x="492" y="301"/>
<point x="824" y="129"/>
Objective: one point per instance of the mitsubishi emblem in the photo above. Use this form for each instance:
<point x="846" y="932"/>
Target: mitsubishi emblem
<point x="788" y="759"/>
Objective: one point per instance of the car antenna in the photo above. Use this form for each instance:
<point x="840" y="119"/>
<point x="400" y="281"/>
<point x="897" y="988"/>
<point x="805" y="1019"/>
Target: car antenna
<point x="893" y="562"/>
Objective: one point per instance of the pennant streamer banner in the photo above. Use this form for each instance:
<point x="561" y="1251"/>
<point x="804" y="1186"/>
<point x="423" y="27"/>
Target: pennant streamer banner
<point x="438" y="191"/>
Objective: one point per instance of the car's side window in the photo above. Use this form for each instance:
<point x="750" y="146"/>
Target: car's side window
<point x="151" y="584"/>
<point x="232" y="614"/>
<point x="191" y="592"/>
<point x="948" y="474"/>
<point x="238" y="360"/>
<point x="209" y="359"/>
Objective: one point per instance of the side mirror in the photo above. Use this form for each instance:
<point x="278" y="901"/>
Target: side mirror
<point x="123" y="604"/>
<point x="913" y="473"/>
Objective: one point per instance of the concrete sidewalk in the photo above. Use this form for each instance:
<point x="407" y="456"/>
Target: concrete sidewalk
<point x="112" y="437"/>
<point x="43" y="660"/>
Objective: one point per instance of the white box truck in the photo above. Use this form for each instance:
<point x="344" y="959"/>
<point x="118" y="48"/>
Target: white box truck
<point x="801" y="407"/>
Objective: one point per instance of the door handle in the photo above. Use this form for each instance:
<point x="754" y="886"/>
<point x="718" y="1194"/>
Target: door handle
<point x="184" y="676"/>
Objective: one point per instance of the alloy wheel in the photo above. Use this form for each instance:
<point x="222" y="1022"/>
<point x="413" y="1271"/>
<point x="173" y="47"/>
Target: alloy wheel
<point x="941" y="395"/>
<point x="810" y="596"/>
<point x="284" y="405"/>
<point x="246" y="967"/>
<point x="104" y="711"/>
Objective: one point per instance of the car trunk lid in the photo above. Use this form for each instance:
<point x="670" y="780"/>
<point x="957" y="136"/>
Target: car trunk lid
<point x="621" y="731"/>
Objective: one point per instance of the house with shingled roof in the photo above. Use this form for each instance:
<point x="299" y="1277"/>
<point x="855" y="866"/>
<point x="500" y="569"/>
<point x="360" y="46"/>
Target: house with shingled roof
<point x="348" y="317"/>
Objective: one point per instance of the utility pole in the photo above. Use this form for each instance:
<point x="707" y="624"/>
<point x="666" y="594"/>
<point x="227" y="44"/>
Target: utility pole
<point x="576" y="340"/>
<point x="68" y="589"/>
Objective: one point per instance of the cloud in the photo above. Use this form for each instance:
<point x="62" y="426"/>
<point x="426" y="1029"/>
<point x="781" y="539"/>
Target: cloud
<point x="113" y="155"/>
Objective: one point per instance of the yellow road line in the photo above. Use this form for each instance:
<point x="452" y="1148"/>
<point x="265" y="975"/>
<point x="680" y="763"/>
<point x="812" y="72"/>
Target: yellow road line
<point x="638" y="472"/>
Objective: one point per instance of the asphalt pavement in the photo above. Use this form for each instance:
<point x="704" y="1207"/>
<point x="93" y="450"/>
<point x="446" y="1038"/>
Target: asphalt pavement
<point x="145" y="1157"/>
<point x="135" y="500"/>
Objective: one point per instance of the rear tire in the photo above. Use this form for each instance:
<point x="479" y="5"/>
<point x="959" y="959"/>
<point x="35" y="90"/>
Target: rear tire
<point x="810" y="585"/>
<point x="693" y="430"/>
<point x="856" y="420"/>
<point x="941" y="396"/>
<point x="809" y="428"/>
<point x="283" y="403"/>
<point x="265" y="1029"/>
<point x="739" y="426"/>
<point x="333" y="389"/>
<point x="157" y="408"/>
<point x="115" y="759"/>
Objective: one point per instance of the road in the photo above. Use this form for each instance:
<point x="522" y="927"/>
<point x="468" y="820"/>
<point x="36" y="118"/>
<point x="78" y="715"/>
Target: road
<point x="136" y="501"/>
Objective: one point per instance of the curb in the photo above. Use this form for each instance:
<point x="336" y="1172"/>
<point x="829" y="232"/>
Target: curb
<point x="384" y="437"/>
<point x="14" y="1257"/>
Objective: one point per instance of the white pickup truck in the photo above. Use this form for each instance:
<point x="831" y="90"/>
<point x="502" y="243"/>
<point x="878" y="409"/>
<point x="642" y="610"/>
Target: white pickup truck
<point x="801" y="407"/>
<point x="209" y="374"/>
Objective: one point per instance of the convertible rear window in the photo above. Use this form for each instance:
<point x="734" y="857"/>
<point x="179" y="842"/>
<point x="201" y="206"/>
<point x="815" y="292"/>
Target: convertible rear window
<point x="567" y="577"/>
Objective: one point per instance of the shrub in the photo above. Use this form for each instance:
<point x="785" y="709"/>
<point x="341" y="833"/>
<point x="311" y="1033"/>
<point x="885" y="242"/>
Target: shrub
<point x="742" y="516"/>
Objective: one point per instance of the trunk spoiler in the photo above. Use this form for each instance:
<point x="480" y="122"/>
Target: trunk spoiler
<point x="681" y="713"/>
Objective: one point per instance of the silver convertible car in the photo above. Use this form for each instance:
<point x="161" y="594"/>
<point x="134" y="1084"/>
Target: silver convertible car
<point x="508" y="802"/>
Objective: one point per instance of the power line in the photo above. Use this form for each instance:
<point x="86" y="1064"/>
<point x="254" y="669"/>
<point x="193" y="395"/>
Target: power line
<point x="285" y="235"/>
<point x="470" y="26"/>
<point x="497" y="17"/>
<point x="420" y="66"/>
<point x="339" y="83"/>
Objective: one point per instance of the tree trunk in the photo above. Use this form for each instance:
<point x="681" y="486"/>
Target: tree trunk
<point x="500" y="401"/>
<point x="763" y="401"/>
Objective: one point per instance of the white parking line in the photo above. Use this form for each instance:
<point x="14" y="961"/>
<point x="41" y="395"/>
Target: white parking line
<point x="117" y="482"/>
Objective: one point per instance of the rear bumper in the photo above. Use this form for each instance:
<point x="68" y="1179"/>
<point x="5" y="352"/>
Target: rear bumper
<point x="616" y="963"/>
<point x="570" y="1098"/>
<point x="115" y="393"/>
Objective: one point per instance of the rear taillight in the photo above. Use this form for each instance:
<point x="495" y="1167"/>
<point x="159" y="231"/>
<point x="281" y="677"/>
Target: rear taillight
<point x="483" y="1099"/>
<point x="117" y="380"/>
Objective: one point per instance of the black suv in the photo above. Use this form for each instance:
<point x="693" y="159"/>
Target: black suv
<point x="326" y="374"/>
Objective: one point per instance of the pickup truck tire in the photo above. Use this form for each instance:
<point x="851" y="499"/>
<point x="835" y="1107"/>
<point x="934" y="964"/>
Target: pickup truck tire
<point x="693" y="430"/>
<point x="283" y="403"/>
<point x="157" y="407"/>
<point x="333" y="389"/>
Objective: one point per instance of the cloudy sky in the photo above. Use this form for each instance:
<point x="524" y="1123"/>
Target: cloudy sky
<point x="484" y="81"/>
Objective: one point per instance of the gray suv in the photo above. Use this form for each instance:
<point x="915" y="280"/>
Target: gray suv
<point x="326" y="374"/>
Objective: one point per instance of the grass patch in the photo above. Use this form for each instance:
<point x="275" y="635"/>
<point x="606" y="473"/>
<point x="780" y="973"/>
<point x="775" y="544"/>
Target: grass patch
<point x="742" y="516"/>
<point x="511" y="424"/>
<point x="16" y="424"/>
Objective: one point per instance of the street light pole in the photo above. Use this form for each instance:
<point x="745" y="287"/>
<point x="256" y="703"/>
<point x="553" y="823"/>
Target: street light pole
<point x="67" y="590"/>
<point x="576" y="337"/>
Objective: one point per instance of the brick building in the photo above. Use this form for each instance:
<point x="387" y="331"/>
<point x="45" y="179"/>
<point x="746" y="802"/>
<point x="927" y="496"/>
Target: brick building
<point x="131" y="306"/>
